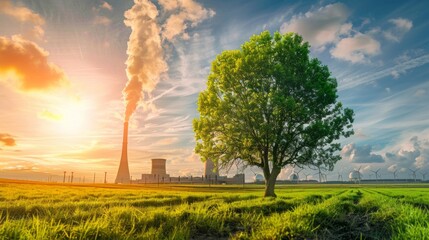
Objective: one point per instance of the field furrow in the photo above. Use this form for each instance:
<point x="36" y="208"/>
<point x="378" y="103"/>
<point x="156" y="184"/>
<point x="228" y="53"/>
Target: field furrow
<point x="197" y="212"/>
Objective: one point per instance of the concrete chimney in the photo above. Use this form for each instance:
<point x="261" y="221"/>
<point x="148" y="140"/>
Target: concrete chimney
<point x="123" y="175"/>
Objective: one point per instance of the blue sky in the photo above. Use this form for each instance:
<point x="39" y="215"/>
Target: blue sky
<point x="379" y="54"/>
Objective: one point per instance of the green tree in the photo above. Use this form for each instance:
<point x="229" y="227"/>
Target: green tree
<point x="270" y="105"/>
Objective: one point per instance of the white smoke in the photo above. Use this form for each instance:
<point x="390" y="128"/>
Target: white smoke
<point x="146" y="61"/>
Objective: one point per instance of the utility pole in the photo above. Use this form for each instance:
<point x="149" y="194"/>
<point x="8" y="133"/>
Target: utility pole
<point x="94" y="179"/>
<point x="64" y="178"/>
<point x="71" y="180"/>
<point x="105" y="177"/>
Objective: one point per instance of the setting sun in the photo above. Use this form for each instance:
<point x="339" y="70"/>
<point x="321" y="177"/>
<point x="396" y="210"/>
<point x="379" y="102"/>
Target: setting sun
<point x="74" y="118"/>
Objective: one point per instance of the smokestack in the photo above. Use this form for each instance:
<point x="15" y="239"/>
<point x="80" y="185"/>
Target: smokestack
<point x="123" y="175"/>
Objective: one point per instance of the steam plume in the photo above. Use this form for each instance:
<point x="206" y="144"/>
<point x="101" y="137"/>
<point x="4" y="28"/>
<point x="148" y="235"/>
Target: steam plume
<point x="145" y="61"/>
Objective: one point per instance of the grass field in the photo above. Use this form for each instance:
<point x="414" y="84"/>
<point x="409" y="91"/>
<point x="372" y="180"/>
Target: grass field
<point x="55" y="211"/>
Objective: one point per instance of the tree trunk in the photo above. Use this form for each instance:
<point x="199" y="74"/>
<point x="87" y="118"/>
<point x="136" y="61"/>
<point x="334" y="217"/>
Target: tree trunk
<point x="270" y="182"/>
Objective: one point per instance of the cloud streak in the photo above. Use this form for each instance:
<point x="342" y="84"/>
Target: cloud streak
<point x="48" y="115"/>
<point x="365" y="78"/>
<point x="27" y="64"/>
<point x="102" y="20"/>
<point x="400" y="28"/>
<point x="7" y="140"/>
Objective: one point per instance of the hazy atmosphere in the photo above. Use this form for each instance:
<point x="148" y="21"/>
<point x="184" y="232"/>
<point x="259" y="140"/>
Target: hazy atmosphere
<point x="102" y="62"/>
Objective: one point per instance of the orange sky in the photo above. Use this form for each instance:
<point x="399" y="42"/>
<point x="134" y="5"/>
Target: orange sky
<point x="61" y="81"/>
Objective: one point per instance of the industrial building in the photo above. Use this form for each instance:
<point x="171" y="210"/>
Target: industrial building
<point x="210" y="176"/>
<point x="159" y="171"/>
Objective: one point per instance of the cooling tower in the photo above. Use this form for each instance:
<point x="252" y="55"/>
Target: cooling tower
<point x="123" y="175"/>
<point x="210" y="169"/>
<point x="158" y="166"/>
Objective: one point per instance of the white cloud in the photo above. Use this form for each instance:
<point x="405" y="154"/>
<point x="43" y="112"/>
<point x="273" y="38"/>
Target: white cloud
<point x="188" y="14"/>
<point x="356" y="49"/>
<point x="402" y="23"/>
<point x="360" y="154"/>
<point x="169" y="5"/>
<point x="412" y="153"/>
<point x="106" y="6"/>
<point x="400" y="28"/>
<point x="320" y="27"/>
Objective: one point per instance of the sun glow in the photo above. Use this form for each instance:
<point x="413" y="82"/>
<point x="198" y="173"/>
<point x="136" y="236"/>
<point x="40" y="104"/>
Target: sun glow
<point x="69" y="118"/>
<point x="73" y="118"/>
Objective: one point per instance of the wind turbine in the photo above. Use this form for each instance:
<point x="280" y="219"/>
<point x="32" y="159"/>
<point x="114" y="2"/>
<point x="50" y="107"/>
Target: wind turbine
<point x="306" y="176"/>
<point x="423" y="175"/>
<point x="340" y="176"/>
<point x="254" y="174"/>
<point x="297" y="173"/>
<point x="325" y="177"/>
<point x="360" y="174"/>
<point x="394" y="174"/>
<point x="376" y="174"/>
<point x="320" y="174"/>
<point x="414" y="173"/>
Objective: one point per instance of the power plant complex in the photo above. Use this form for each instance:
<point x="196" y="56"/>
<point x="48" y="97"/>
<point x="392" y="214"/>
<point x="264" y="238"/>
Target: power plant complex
<point x="210" y="176"/>
<point x="159" y="171"/>
<point x="211" y="173"/>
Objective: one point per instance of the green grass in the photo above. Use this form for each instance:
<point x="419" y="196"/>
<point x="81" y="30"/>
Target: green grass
<point x="55" y="211"/>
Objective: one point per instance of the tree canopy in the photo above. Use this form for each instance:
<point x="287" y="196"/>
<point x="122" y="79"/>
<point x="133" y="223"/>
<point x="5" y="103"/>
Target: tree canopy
<point x="270" y="105"/>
